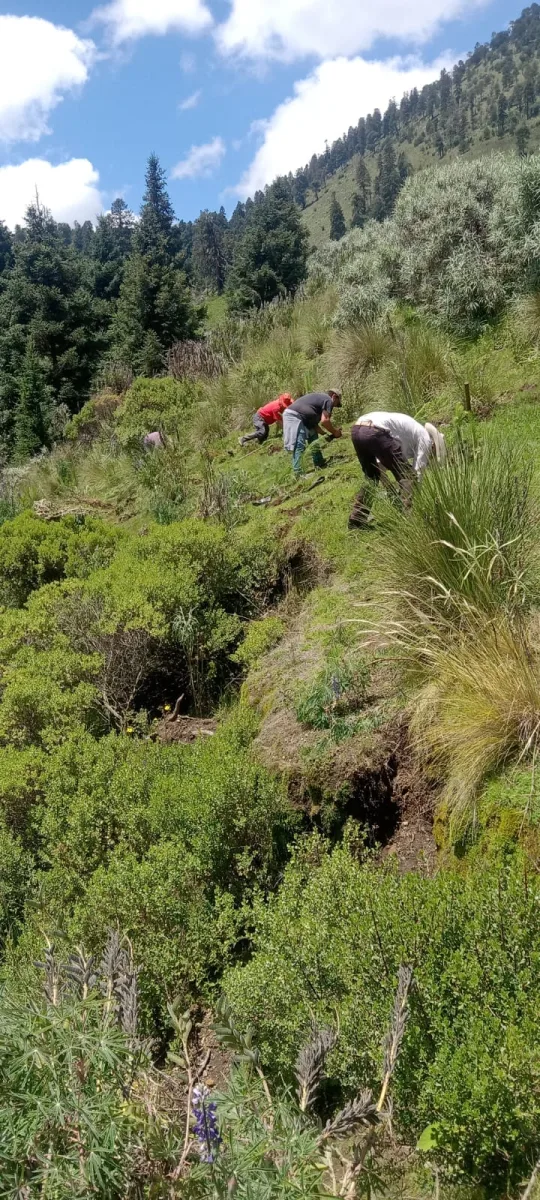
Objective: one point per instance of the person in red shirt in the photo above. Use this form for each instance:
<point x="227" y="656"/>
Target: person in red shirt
<point x="265" y="417"/>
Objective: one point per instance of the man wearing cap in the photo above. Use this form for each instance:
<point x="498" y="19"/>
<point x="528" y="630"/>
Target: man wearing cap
<point x="307" y="419"/>
<point x="398" y="443"/>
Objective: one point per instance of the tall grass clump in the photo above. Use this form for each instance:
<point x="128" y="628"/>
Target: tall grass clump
<point x="469" y="546"/>
<point x="462" y="574"/>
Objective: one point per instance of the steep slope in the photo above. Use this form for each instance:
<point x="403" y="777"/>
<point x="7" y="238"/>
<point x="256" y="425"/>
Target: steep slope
<point x="489" y="102"/>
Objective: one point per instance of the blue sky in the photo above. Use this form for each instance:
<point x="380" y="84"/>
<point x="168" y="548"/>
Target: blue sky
<point x="86" y="94"/>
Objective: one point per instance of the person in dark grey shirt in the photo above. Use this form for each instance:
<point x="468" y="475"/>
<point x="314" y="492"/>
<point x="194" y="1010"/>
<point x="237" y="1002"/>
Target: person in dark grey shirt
<point x="307" y="419"/>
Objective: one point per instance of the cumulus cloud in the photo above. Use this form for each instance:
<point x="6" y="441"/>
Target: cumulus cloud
<point x="130" y="19"/>
<point x="190" y="101"/>
<point x="39" y="62"/>
<point x="289" y="29"/>
<point x="201" y="160"/>
<point x="70" y="190"/>
<point x="335" y="96"/>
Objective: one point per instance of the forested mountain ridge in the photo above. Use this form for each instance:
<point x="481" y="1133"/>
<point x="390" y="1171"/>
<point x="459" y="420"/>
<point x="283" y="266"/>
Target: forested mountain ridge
<point x="490" y="101"/>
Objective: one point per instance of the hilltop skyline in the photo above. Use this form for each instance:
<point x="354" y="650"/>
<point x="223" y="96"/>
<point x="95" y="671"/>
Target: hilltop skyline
<point x="228" y="93"/>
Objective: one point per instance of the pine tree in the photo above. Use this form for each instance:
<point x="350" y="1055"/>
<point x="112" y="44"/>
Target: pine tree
<point x="30" y="415"/>
<point x="209" y="250"/>
<point x="155" y="307"/>
<point x="523" y="134"/>
<point x="271" y="258"/>
<point x="111" y="247"/>
<point x="154" y="310"/>
<point x="48" y="296"/>
<point x="6" y="247"/>
<point x="337" y="220"/>
<point x="157" y="213"/>
<point x="388" y="182"/>
<point x="361" y="201"/>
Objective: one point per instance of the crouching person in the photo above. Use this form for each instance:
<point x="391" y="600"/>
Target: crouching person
<point x="307" y="419"/>
<point x="400" y="445"/>
<point x="266" y="416"/>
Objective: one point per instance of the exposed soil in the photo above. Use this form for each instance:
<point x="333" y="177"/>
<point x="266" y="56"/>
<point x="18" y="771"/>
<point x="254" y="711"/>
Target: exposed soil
<point x="184" y="729"/>
<point x="412" y="842"/>
<point x="214" y="1061"/>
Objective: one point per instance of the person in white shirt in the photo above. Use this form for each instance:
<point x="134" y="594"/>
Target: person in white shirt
<point x="396" y="442"/>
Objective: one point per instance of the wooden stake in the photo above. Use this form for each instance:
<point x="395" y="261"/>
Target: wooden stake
<point x="467" y="398"/>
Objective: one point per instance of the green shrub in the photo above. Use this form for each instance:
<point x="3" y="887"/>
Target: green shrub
<point x="156" y="404"/>
<point x="16" y="885"/>
<point x="34" y="552"/>
<point x="329" y="946"/>
<point x="69" y="1125"/>
<point x="331" y="700"/>
<point x="93" y="418"/>
<point x="138" y="614"/>
<point x="261" y="636"/>
<point x="170" y="841"/>
<point x="21" y="781"/>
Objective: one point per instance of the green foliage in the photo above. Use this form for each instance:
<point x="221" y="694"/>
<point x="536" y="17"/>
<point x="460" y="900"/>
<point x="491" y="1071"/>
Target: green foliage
<point x="271" y="258"/>
<point x="168" y="841"/>
<point x="333" y="939"/>
<point x="47" y="302"/>
<point x="156" y="404"/>
<point x="155" y="307"/>
<point x="30" y="417"/>
<point x="337" y="221"/>
<point x="35" y="552"/>
<point x="261" y="636"/>
<point x="16" y="885"/>
<point x="67" y="1068"/>
<point x="460" y="243"/>
<point x="332" y="699"/>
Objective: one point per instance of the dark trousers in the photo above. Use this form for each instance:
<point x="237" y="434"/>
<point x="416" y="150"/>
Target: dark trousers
<point x="261" y="431"/>
<point x="376" y="448"/>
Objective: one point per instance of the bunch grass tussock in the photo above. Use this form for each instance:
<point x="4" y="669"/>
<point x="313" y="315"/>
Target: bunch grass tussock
<point x="463" y="570"/>
<point x="479" y="710"/>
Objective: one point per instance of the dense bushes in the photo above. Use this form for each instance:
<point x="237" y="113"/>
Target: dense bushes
<point x="34" y="552"/>
<point x="169" y="842"/>
<point x="331" y="943"/>
<point x="127" y="618"/>
<point x="150" y="404"/>
<point x="463" y="238"/>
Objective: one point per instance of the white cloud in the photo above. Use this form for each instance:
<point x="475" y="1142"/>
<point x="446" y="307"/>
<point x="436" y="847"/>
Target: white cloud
<point x="190" y="101"/>
<point x="335" y="96"/>
<point x="201" y="160"/>
<point x="129" y="19"/>
<point x="39" y="61"/>
<point x="70" y="190"/>
<point x="289" y="29"/>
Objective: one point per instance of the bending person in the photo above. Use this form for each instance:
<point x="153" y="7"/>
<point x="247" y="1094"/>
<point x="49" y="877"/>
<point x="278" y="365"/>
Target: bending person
<point x="265" y="417"/>
<point x="307" y="419"/>
<point x="397" y="443"/>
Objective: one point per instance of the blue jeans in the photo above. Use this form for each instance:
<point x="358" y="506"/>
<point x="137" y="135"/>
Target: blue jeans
<point x="305" y="437"/>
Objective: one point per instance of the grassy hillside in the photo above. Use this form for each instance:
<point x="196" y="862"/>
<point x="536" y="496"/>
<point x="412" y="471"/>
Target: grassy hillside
<point x="275" y="779"/>
<point x="316" y="215"/>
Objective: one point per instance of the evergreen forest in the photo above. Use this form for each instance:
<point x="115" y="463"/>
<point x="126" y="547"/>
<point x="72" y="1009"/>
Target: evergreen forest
<point x="269" y="787"/>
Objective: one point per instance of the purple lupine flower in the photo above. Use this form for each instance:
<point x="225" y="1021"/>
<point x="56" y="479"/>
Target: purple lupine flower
<point x="205" y="1127"/>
